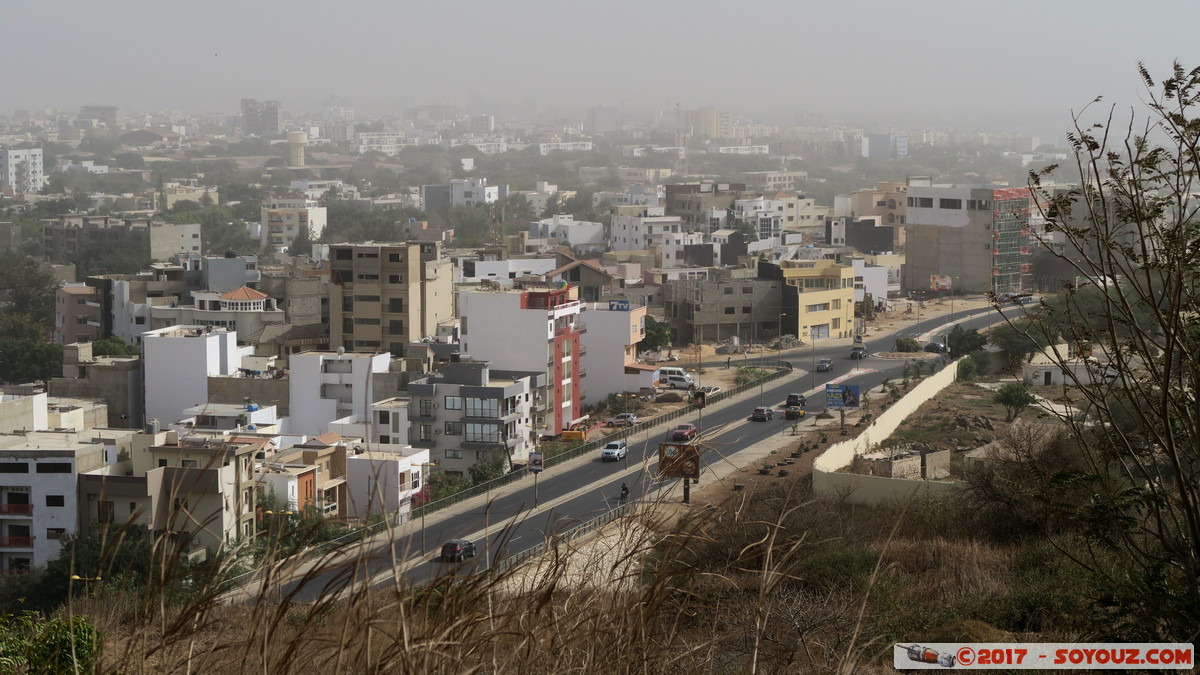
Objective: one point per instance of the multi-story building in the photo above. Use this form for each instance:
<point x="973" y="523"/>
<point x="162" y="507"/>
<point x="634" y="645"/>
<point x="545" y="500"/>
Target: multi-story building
<point x="261" y="118"/>
<point x="601" y="119"/>
<point x="532" y="331"/>
<point x="327" y="453"/>
<point x="580" y="235"/>
<point x="21" y="170"/>
<point x="38" y="492"/>
<point x="386" y="295"/>
<point x="107" y="115"/>
<point x="614" y="329"/>
<point x="568" y="146"/>
<point x="709" y="122"/>
<point x="884" y="146"/>
<point x="818" y="298"/>
<point x="284" y="218"/>
<point x="692" y="202"/>
<point x="475" y="191"/>
<point x="177" y="362"/>
<point x="979" y="236"/>
<point x="63" y="238"/>
<point x="243" y="309"/>
<point x="328" y="386"/>
<point x="473" y="269"/>
<point x="713" y="310"/>
<point x="116" y="380"/>
<point x="170" y="194"/>
<point x="468" y="410"/>
<point x="202" y="489"/>
<point x="384" y="480"/>
<point x="76" y="314"/>
<point x="774" y="181"/>
<point x="635" y="228"/>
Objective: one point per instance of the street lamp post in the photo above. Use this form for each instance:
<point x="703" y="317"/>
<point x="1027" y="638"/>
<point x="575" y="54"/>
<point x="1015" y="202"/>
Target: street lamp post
<point x="424" y="486"/>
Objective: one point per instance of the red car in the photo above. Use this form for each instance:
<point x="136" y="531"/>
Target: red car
<point x="684" y="432"/>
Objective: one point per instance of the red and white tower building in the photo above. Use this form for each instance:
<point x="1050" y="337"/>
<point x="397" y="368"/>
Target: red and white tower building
<point x="530" y="330"/>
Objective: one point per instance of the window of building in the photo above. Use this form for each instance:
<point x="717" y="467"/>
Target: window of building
<point x="188" y="463"/>
<point x="395" y="305"/>
<point x="823" y="307"/>
<point x="454" y="453"/>
<point x="162" y="462"/>
<point x="415" y="484"/>
<point x="368" y="277"/>
<point x="453" y="403"/>
<point x="728" y="290"/>
<point x="366" y="343"/>
<point x="475" y="432"/>
<point x="454" y="428"/>
<point x="955" y="204"/>
<point x="366" y="322"/>
<point x="424" y="432"/>
<point x="139" y="320"/>
<point x="746" y="309"/>
<point x="56" y="500"/>
<point x="426" y="406"/>
<point x="55" y="532"/>
<point x="368" y="255"/>
<point x="383" y="416"/>
<point x="921" y="202"/>
<point x="366" y="298"/>
<point x="747" y="290"/>
<point x="395" y="278"/>
<point x="483" y="407"/>
<point x="393" y="257"/>
<point x="54" y="467"/>
<point x="729" y="310"/>
<point x="396" y="326"/>
<point x="385" y="439"/>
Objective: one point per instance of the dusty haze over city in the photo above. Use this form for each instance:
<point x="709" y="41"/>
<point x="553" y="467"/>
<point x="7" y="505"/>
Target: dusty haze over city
<point x="1021" y="64"/>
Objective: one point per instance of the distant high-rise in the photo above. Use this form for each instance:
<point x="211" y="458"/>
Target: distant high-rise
<point x="601" y="119"/>
<point x="21" y="171"/>
<point x="108" y="115"/>
<point x="261" y="118"/>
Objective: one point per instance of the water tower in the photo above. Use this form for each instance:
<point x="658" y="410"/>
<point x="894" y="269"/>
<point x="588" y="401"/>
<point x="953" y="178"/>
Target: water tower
<point x="296" y="141"/>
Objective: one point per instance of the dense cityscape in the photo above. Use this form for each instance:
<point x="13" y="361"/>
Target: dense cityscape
<point x="537" y="386"/>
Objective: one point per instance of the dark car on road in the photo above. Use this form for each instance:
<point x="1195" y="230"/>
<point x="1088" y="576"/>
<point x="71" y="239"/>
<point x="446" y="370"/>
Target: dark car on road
<point x="456" y="550"/>
<point x="858" y="352"/>
<point x="684" y="432"/>
<point x="824" y="365"/>
<point x="762" y="414"/>
<point x="795" y="399"/>
<point x="935" y="347"/>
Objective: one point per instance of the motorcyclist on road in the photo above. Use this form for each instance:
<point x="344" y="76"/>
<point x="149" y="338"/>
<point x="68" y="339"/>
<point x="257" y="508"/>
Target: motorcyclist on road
<point x="624" y="491"/>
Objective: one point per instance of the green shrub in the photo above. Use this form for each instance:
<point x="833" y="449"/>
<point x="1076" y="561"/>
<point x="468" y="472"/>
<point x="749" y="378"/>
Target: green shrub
<point x="906" y="344"/>
<point x="838" y="568"/>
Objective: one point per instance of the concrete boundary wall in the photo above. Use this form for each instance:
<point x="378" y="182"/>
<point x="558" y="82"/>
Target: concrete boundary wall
<point x="876" y="489"/>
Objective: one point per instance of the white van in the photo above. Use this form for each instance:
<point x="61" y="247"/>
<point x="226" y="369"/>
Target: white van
<point x="668" y="371"/>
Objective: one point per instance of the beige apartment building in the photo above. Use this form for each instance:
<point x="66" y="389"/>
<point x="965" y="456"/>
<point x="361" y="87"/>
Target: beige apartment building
<point x="824" y="299"/>
<point x="383" y="296"/>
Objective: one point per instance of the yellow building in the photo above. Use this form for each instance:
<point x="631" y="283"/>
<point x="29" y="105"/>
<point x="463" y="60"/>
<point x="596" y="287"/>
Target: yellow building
<point x="824" y="298"/>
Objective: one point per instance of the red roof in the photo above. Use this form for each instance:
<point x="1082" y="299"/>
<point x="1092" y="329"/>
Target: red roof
<point x="243" y="293"/>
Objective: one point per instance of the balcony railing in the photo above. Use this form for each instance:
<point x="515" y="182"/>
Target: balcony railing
<point x="16" y="509"/>
<point x="16" y="542"/>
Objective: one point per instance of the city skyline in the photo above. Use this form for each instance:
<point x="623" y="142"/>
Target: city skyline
<point x="1032" y="65"/>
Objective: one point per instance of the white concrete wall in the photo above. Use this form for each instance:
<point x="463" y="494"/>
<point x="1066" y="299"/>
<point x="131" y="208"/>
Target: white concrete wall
<point x="177" y="367"/>
<point x="858" y="489"/>
<point x="26" y="413"/>
<point x="610" y="334"/>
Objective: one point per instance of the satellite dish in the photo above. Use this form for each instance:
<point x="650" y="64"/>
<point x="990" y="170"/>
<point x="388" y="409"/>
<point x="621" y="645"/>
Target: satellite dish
<point x="340" y="351"/>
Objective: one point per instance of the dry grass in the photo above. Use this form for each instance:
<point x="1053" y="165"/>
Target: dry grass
<point x="770" y="579"/>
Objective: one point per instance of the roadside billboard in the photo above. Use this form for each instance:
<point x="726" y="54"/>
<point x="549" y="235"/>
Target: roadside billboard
<point x="535" y="461"/>
<point x="939" y="282"/>
<point x="679" y="460"/>
<point x="841" y="397"/>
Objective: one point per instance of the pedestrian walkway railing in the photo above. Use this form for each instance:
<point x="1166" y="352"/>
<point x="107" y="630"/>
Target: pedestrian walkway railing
<point x="553" y="541"/>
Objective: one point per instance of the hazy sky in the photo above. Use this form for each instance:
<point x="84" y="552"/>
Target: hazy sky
<point x="962" y="63"/>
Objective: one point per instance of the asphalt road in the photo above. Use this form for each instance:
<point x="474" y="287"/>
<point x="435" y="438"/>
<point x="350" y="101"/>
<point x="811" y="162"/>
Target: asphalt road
<point x="512" y="526"/>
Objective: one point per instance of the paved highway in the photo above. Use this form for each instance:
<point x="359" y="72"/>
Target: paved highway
<point x="586" y="487"/>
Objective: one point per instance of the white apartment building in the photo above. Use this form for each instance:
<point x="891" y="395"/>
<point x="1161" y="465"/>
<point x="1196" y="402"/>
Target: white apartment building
<point x="21" y="171"/>
<point x="744" y="150"/>
<point x="532" y="331"/>
<point x="177" y="362"/>
<point x="613" y="330"/>
<point x="475" y="191"/>
<point x="38" y="489"/>
<point x="383" y="480"/>
<point x="389" y="143"/>
<point x="570" y="146"/>
<point x="636" y="229"/>
<point x="283" y="219"/>
<point x="582" y="235"/>
<point x="327" y="386"/>
<point x="503" y="272"/>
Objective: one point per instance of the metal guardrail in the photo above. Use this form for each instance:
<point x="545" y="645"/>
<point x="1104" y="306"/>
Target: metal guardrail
<point x="562" y="537"/>
<point x="783" y="368"/>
